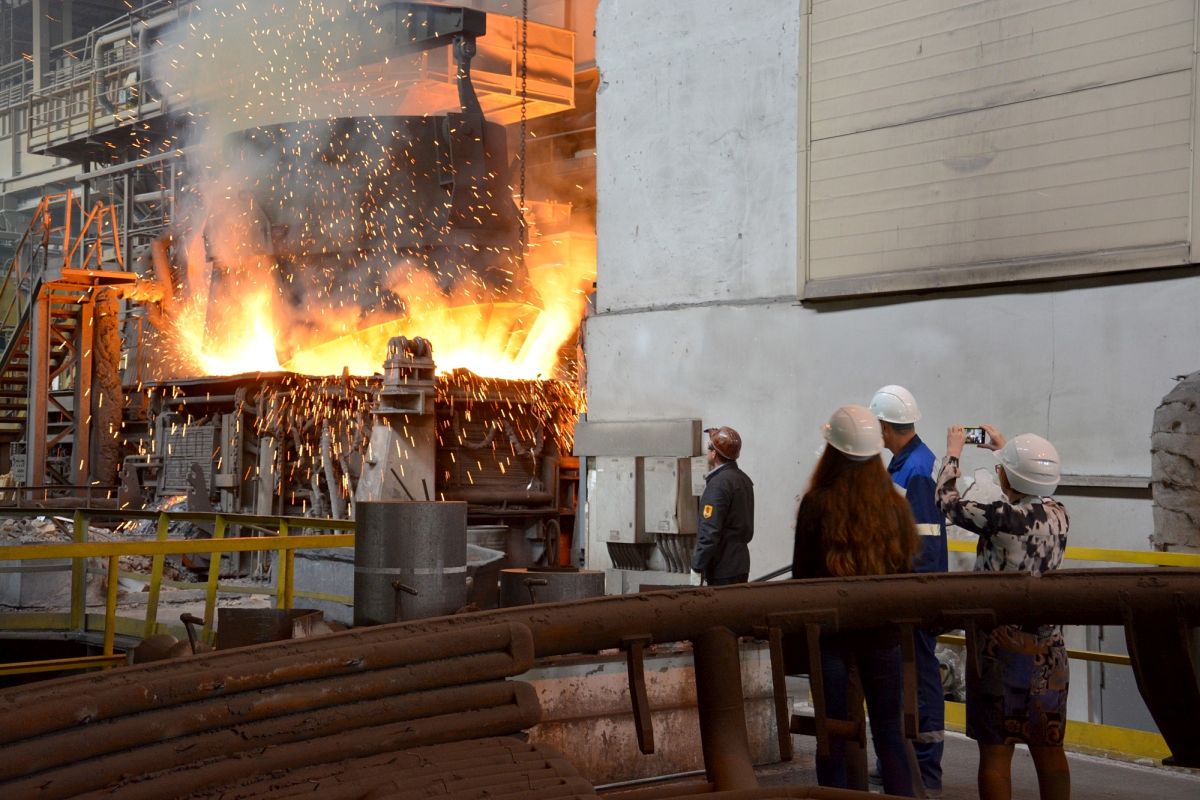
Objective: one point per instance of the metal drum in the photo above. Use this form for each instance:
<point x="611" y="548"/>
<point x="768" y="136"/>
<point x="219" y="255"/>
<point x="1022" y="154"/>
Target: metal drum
<point x="521" y="587"/>
<point x="419" y="545"/>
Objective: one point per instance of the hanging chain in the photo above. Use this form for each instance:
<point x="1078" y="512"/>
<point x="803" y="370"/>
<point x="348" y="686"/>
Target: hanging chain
<point x="524" y="104"/>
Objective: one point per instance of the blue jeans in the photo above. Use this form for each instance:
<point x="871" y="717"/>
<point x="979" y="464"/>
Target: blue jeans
<point x="931" y="709"/>
<point x="880" y="671"/>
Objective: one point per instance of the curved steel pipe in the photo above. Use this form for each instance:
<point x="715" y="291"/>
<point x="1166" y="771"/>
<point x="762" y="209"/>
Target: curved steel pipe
<point x="722" y="710"/>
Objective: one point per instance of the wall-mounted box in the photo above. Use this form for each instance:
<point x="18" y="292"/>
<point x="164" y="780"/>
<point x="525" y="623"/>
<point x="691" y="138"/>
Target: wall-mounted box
<point x="668" y="504"/>
<point x="699" y="466"/>
<point x="615" y="500"/>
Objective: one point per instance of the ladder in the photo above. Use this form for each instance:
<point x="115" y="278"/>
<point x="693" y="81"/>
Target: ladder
<point x="46" y="301"/>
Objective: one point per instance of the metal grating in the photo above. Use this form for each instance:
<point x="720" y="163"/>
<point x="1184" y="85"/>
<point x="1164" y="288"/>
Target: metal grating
<point x="185" y="446"/>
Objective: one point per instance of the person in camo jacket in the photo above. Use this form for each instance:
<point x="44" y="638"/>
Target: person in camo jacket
<point x="1019" y="692"/>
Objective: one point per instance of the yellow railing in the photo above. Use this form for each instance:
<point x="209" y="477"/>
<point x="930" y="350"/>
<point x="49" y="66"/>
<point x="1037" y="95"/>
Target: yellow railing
<point x="276" y="535"/>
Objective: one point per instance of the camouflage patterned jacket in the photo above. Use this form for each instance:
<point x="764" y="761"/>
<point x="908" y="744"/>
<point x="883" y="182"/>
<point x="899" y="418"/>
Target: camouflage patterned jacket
<point x="1027" y="536"/>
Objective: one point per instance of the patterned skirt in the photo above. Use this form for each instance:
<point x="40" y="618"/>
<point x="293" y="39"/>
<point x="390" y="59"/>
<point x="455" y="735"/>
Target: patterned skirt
<point x="1019" y="694"/>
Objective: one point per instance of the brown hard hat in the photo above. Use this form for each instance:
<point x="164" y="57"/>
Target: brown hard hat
<point x="726" y="442"/>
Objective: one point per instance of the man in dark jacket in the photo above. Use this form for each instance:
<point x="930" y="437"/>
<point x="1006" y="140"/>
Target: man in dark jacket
<point x="726" y="513"/>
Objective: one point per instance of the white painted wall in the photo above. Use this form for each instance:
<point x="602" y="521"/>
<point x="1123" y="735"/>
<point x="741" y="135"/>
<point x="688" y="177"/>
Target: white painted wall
<point x="701" y="209"/>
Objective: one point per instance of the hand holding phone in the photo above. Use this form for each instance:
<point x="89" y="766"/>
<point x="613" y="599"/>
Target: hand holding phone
<point x="975" y="435"/>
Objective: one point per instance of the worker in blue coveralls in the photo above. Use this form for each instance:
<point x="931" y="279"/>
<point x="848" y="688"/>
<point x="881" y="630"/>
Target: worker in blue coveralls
<point x="912" y="470"/>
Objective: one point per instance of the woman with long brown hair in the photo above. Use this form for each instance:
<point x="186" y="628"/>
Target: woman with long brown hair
<point x="852" y="521"/>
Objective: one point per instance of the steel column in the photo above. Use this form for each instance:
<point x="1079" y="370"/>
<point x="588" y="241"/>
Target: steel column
<point x="722" y="709"/>
<point x="38" y="388"/>
<point x="81" y="445"/>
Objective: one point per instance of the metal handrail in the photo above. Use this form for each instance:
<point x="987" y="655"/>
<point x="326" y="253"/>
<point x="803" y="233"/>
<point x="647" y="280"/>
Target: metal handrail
<point x="1105" y="555"/>
<point x="280" y="539"/>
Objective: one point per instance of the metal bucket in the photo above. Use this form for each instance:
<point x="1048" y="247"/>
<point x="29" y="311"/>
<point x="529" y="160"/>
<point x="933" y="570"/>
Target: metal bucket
<point x="522" y="587"/>
<point x="421" y="546"/>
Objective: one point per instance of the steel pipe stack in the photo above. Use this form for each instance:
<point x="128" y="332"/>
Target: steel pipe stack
<point x="214" y="723"/>
<point x="149" y="732"/>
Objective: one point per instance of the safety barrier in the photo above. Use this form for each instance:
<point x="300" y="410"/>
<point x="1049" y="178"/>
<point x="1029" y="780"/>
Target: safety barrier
<point x="280" y="539"/>
<point x="1092" y="554"/>
<point x="276" y="534"/>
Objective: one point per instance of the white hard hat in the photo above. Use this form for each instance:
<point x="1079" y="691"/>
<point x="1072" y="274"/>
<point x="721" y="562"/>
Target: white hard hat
<point x="855" y="431"/>
<point x="1031" y="464"/>
<point x="895" y="404"/>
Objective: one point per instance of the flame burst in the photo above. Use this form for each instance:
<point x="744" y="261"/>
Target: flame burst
<point x="292" y="289"/>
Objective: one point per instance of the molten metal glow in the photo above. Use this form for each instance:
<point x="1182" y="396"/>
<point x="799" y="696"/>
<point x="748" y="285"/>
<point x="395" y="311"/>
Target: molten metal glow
<point x="243" y="341"/>
<point x="244" y="329"/>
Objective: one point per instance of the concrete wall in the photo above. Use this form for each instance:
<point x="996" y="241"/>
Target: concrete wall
<point x="587" y="713"/>
<point x="702" y="204"/>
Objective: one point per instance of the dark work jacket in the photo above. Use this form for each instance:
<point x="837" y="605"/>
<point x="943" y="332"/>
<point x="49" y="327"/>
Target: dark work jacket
<point x="726" y="524"/>
<point x="912" y="470"/>
<point x="808" y="561"/>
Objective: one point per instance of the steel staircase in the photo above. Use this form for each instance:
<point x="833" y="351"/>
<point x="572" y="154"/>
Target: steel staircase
<point x="65" y="254"/>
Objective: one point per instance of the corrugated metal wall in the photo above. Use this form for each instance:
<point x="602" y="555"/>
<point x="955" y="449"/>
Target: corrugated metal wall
<point x="1016" y="139"/>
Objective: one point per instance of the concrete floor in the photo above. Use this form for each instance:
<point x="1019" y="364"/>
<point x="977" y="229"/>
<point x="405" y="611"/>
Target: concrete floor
<point x="1092" y="778"/>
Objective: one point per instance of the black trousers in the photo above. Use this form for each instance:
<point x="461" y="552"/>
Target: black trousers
<point x="745" y="576"/>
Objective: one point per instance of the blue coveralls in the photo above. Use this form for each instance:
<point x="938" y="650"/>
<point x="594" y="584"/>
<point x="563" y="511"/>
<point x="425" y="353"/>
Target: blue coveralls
<point x="912" y="469"/>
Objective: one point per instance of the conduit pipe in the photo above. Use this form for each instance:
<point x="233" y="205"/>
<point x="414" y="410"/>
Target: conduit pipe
<point x="722" y="710"/>
<point x="130" y="731"/>
<point x="361" y="720"/>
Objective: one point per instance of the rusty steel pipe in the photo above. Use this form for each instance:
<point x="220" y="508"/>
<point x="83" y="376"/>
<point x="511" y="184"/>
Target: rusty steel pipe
<point x="722" y="709"/>
<point x="770" y="793"/>
<point x="57" y="705"/>
<point x="344" y="780"/>
<point x="977" y="600"/>
<point x="1072" y="597"/>
<point x="353" y="646"/>
<point x="697" y="791"/>
<point x="154" y="755"/>
<point x="204" y="773"/>
<point x="122" y="733"/>
<point x="1068" y="597"/>
<point x="499" y="721"/>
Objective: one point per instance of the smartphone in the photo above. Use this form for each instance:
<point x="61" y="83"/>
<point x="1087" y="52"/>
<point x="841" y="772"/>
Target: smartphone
<point x="976" y="435"/>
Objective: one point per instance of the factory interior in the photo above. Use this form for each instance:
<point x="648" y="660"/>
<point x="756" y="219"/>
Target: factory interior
<point x="363" y="362"/>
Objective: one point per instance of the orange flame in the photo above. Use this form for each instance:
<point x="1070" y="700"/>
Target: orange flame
<point x="513" y="339"/>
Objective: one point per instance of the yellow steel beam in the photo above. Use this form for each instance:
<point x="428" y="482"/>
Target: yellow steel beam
<point x="110" y="605"/>
<point x="1082" y="655"/>
<point x="36" y="621"/>
<point x="156" y="579"/>
<point x="1105" y="739"/>
<point x="223" y="587"/>
<point x="214" y="574"/>
<point x="269" y="522"/>
<point x="345" y="599"/>
<point x="289" y="568"/>
<point x="281" y="574"/>
<point x="143" y="548"/>
<point x="1149" y="557"/>
<point x="78" y="572"/>
<point x="60" y="664"/>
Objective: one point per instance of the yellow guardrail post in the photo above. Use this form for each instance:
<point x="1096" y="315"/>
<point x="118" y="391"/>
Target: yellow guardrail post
<point x="78" y="574"/>
<point x="214" y="574"/>
<point x="289" y="558"/>
<point x="283" y="581"/>
<point x="110" y="604"/>
<point x="156" y="578"/>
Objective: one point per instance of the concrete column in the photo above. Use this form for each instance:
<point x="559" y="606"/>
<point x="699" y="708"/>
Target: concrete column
<point x="722" y="711"/>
